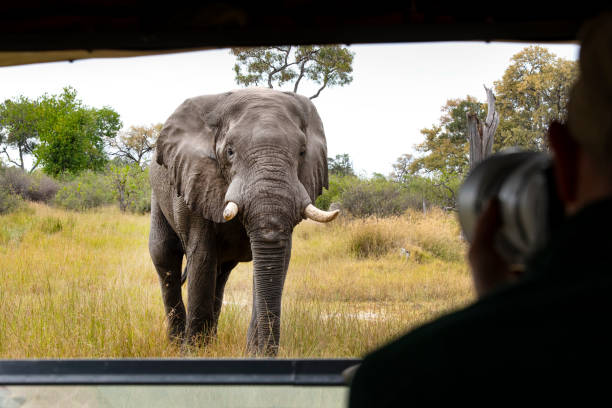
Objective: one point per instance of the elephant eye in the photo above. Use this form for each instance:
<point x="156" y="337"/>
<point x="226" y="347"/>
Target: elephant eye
<point x="302" y="152"/>
<point x="230" y="152"/>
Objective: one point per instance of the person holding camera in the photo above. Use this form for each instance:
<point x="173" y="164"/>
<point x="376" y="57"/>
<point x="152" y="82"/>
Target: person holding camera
<point x="539" y="334"/>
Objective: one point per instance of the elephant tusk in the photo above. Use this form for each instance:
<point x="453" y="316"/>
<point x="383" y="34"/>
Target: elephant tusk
<point x="313" y="213"/>
<point x="231" y="209"/>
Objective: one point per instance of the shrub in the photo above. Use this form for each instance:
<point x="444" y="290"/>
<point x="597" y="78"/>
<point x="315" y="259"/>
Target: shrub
<point x="33" y="187"/>
<point x="8" y="202"/>
<point x="88" y="190"/>
<point x="15" y="180"/>
<point x="51" y="225"/>
<point x="131" y="187"/>
<point x="378" y="197"/>
<point x="337" y="186"/>
<point x="43" y="188"/>
<point x="125" y="185"/>
<point x="437" y="232"/>
<point x="370" y="241"/>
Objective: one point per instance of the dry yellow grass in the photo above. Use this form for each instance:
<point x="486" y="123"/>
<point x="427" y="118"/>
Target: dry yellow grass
<point x="83" y="285"/>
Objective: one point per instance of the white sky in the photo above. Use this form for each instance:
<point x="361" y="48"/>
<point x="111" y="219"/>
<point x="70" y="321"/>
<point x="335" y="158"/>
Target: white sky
<point x="397" y="90"/>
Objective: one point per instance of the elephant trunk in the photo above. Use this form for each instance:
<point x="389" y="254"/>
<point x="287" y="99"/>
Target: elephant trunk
<point x="270" y="210"/>
<point x="270" y="262"/>
<point x="269" y="221"/>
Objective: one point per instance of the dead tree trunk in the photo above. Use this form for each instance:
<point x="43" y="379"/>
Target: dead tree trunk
<point x="480" y="135"/>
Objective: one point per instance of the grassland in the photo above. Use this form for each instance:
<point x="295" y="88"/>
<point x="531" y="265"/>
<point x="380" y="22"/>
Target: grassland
<point x="82" y="285"/>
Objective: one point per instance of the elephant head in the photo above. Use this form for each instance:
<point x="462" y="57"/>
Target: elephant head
<point x="260" y="156"/>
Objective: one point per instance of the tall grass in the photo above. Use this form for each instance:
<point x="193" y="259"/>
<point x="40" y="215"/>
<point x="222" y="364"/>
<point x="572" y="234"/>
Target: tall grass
<point x="83" y="285"/>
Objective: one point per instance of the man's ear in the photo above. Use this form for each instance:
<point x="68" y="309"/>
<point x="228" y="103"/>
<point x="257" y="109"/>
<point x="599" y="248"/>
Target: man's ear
<point x="566" y="153"/>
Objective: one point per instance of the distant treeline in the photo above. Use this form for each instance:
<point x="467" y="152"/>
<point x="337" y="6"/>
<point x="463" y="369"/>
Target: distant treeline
<point x="68" y="154"/>
<point x="124" y="185"/>
<point x="380" y="196"/>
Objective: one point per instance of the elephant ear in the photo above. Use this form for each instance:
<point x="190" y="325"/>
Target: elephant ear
<point x="186" y="147"/>
<point x="313" y="172"/>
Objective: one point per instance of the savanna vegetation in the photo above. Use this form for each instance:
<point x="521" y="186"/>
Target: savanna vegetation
<point x="76" y="279"/>
<point x="81" y="284"/>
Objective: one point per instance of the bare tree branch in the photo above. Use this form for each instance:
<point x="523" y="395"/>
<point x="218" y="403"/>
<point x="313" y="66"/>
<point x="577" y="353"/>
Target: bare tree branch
<point x="301" y="75"/>
<point x="135" y="144"/>
<point x="286" y="65"/>
<point x="10" y="160"/>
<point x="320" y="89"/>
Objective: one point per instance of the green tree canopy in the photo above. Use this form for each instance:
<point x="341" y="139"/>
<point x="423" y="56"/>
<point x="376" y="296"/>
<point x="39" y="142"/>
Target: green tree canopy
<point x="341" y="165"/>
<point x="61" y="133"/>
<point x="326" y="66"/>
<point x="444" y="158"/>
<point x="445" y="148"/>
<point x="18" y="130"/>
<point x="532" y="93"/>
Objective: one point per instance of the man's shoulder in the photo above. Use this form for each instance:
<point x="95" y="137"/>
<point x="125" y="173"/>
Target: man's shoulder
<point x="539" y="310"/>
<point x="549" y="327"/>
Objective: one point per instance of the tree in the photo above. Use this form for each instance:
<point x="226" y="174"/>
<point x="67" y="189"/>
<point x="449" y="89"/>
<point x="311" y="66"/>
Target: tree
<point x="59" y="132"/>
<point x="481" y="135"/>
<point x="435" y="187"/>
<point x="446" y="148"/>
<point x="341" y="165"/>
<point x="72" y="135"/>
<point x="130" y="185"/>
<point x="402" y="168"/>
<point x="18" y="130"/>
<point x="532" y="93"/>
<point x="326" y="66"/>
<point x="445" y="155"/>
<point x="136" y="144"/>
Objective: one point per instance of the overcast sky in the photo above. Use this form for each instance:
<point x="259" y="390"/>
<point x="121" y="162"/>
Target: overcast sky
<point x="398" y="89"/>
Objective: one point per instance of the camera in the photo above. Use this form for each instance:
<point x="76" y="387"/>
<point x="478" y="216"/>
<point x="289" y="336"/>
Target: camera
<point x="523" y="182"/>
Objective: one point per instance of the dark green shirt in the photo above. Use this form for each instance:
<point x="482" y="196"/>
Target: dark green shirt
<point x="544" y="339"/>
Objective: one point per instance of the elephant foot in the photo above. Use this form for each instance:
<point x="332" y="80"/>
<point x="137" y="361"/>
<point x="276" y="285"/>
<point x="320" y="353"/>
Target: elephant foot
<point x="265" y="350"/>
<point x="176" y="338"/>
<point x="176" y="325"/>
<point x="197" y="338"/>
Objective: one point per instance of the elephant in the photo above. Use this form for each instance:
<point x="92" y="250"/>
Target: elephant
<point x="232" y="174"/>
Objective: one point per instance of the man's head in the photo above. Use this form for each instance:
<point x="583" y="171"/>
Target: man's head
<point x="583" y="148"/>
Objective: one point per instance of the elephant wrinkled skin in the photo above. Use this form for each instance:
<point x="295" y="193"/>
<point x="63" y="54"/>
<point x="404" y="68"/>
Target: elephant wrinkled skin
<point x="232" y="175"/>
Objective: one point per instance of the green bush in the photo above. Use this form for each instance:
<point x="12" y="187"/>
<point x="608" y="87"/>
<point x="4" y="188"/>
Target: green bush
<point x="88" y="190"/>
<point x="122" y="184"/>
<point x="9" y="202"/>
<point x="337" y="186"/>
<point x="131" y="187"/>
<point x="378" y="197"/>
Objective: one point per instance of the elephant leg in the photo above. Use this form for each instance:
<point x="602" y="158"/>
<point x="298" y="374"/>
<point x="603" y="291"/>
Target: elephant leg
<point x="202" y="267"/>
<point x="167" y="255"/>
<point x="222" y="276"/>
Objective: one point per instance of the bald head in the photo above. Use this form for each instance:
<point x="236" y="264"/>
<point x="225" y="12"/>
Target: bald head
<point x="583" y="148"/>
<point x="590" y="104"/>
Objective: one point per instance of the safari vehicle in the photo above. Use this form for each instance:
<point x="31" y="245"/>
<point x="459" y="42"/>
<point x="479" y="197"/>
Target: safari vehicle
<point x="33" y="32"/>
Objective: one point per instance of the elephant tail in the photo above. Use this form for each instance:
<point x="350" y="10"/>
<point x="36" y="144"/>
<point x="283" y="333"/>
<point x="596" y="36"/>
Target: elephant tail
<point x="184" y="276"/>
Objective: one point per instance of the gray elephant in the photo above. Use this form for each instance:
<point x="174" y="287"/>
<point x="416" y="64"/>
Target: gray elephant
<point x="232" y="175"/>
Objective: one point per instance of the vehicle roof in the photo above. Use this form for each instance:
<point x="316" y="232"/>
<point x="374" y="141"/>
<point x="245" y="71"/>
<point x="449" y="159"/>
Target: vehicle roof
<point x="36" y="31"/>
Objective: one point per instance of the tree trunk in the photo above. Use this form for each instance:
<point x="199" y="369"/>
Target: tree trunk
<point x="480" y="135"/>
